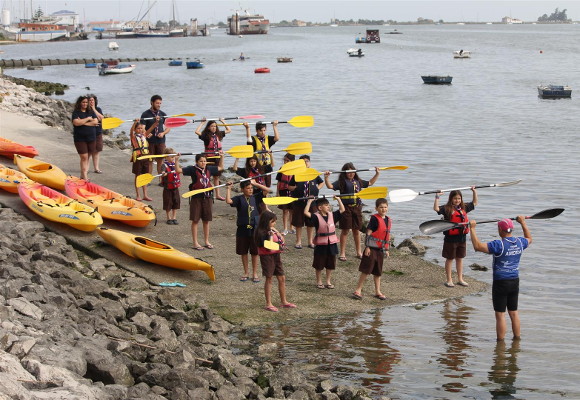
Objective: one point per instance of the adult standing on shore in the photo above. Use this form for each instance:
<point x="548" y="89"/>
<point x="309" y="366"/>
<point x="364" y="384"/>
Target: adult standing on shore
<point x="262" y="143"/>
<point x="96" y="110"/>
<point x="84" y="132"/>
<point x="157" y="139"/>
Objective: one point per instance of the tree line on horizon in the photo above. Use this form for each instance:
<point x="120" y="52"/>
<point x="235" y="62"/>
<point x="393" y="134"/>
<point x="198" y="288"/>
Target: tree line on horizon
<point x="556" y="16"/>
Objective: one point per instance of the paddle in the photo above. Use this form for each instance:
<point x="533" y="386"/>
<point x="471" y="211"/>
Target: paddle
<point x="243" y="151"/>
<point x="312" y="173"/>
<point x="271" y="245"/>
<point x="177" y="122"/>
<point x="400" y="195"/>
<point x="296" y="149"/>
<point x="438" y="226"/>
<point x="113" y="122"/>
<point x="301" y="121"/>
<point x="289" y="169"/>
<point x="145" y="179"/>
<point x="366" y="193"/>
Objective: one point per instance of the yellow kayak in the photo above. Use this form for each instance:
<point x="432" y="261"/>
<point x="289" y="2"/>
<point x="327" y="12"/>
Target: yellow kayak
<point x="10" y="178"/>
<point x="111" y="205"/>
<point x="154" y="252"/>
<point x="41" y="172"/>
<point x="57" y="207"/>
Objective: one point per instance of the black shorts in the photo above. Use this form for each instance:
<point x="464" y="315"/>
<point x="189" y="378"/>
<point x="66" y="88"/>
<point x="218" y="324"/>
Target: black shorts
<point x="505" y="294"/>
<point x="271" y="265"/>
<point x="140" y="167"/>
<point x="351" y="218"/>
<point x="322" y="261"/>
<point x="245" y="244"/>
<point x="373" y="264"/>
<point x="200" y="208"/>
<point x="453" y="250"/>
<point x="171" y="199"/>
<point x="298" y="218"/>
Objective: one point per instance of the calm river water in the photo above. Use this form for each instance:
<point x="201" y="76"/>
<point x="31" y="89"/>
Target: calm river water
<point x="489" y="126"/>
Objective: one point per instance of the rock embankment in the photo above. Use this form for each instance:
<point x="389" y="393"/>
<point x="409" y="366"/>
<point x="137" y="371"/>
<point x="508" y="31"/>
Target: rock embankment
<point x="78" y="328"/>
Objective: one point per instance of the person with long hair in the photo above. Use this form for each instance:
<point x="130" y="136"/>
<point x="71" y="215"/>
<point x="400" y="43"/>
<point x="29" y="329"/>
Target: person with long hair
<point x="454" y="247"/>
<point x="94" y="106"/>
<point x="267" y="237"/>
<point x="84" y="132"/>
<point x="212" y="138"/>
<point x="350" y="183"/>
<point x="283" y="190"/>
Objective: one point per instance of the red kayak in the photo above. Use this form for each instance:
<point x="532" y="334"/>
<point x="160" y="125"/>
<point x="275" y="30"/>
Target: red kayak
<point x="8" y="148"/>
<point x="262" y="70"/>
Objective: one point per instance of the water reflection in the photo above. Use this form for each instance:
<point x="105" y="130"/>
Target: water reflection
<point x="504" y="370"/>
<point x="456" y="336"/>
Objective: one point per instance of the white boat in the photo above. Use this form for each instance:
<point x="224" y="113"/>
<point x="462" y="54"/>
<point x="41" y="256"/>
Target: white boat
<point x="461" y="54"/>
<point x="113" y="46"/>
<point x="247" y="24"/>
<point x="105" y="69"/>
<point x="32" y="32"/>
<point x="355" y="52"/>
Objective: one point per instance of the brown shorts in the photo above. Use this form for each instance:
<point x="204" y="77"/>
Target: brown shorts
<point x="351" y="218"/>
<point x="214" y="162"/>
<point x="99" y="143"/>
<point x="454" y="250"/>
<point x="140" y="167"/>
<point x="200" y="208"/>
<point x="85" y="147"/>
<point x="373" y="264"/>
<point x="271" y="265"/>
<point x="157" y="148"/>
<point x="171" y="199"/>
<point x="298" y="218"/>
<point x="322" y="261"/>
<point x="245" y="244"/>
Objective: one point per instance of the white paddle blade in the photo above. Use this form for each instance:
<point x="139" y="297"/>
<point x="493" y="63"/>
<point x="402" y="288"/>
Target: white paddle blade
<point x="401" y="195"/>
<point x="270" y="245"/>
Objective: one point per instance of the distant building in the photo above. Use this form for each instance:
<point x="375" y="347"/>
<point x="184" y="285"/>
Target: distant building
<point x="109" y="25"/>
<point x="65" y="18"/>
<point x="510" y="20"/>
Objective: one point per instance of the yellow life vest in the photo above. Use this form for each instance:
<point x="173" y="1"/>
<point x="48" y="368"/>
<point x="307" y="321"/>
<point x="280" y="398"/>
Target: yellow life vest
<point x="263" y="158"/>
<point x="140" y="146"/>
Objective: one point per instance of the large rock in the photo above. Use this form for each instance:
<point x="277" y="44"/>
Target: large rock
<point x="413" y="245"/>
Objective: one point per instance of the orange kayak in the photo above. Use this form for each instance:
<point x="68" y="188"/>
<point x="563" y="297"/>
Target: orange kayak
<point x="8" y="148"/>
<point x="41" y="172"/>
<point x="10" y="178"/>
<point x="111" y="205"/>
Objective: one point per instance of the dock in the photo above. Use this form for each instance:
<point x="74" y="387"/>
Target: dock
<point x="24" y="63"/>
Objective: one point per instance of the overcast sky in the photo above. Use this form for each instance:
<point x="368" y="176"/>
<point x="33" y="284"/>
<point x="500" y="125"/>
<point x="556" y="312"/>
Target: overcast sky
<point x="314" y="11"/>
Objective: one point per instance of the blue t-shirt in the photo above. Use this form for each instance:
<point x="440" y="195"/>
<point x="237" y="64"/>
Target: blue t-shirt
<point x="506" y="256"/>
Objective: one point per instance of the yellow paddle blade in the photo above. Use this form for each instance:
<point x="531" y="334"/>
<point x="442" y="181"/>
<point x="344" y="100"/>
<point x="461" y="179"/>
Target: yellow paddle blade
<point x="299" y="148"/>
<point x="112" y="122"/>
<point x="293" y="167"/>
<point x="244" y="151"/>
<point x="278" y="201"/>
<point x="150" y="156"/>
<point x="373" y="192"/>
<point x="144" y="179"/>
<point x="183" y="115"/>
<point x="399" y="167"/>
<point x="307" y="175"/>
<point x="194" y="192"/>
<point x="270" y="245"/>
<point x="302" y="121"/>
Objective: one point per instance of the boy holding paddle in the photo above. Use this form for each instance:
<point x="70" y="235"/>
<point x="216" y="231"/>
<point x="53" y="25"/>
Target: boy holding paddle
<point x="506" y="252"/>
<point x="157" y="138"/>
<point x="262" y="143"/>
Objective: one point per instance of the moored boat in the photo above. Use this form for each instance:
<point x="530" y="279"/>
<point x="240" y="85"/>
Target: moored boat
<point x="194" y="64"/>
<point x="154" y="252"/>
<point x="175" y="63"/>
<point x="284" y="59"/>
<point x="262" y="70"/>
<point x="437" y="79"/>
<point x="40" y="171"/>
<point x="111" y="205"/>
<point x="8" y="148"/>
<point x="554" y="91"/>
<point x="10" y="178"/>
<point x="462" y="54"/>
<point x="91" y="65"/>
<point x="113" y="46"/>
<point x="106" y="69"/>
<point x="57" y="207"/>
<point x="355" y="53"/>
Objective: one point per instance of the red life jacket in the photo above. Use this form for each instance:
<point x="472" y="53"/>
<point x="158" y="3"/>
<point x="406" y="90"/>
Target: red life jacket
<point x="171" y="180"/>
<point x="284" y="182"/>
<point x="203" y="181"/>
<point x="459" y="216"/>
<point x="262" y="251"/>
<point x="326" y="232"/>
<point x="254" y="172"/>
<point x="380" y="238"/>
<point x="140" y="146"/>
<point x="214" y="145"/>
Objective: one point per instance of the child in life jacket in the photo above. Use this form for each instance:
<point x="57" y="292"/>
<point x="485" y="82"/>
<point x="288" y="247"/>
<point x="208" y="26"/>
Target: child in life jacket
<point x="252" y="169"/>
<point x="270" y="243"/>
<point x="376" y="247"/>
<point x="325" y="240"/>
<point x="140" y="146"/>
<point x="171" y="183"/>
<point x="262" y="144"/>
<point x="454" y="247"/>
<point x="283" y="191"/>
<point x="212" y="140"/>
<point x="247" y="219"/>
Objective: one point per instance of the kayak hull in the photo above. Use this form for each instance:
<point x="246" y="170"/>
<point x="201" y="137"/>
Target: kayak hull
<point x="111" y="205"/>
<point x="41" y="172"/>
<point x="10" y="178"/>
<point x="57" y="207"/>
<point x="149" y="250"/>
<point x="8" y="148"/>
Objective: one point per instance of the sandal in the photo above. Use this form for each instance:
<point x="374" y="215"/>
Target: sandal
<point x="256" y="280"/>
<point x="98" y="171"/>
<point x="356" y="296"/>
<point x="244" y="278"/>
<point x="288" y="305"/>
<point x="380" y="297"/>
<point x="198" y="248"/>
<point x="342" y="258"/>
<point x="298" y="246"/>
<point x="320" y="286"/>
<point x="329" y="286"/>
<point x="208" y="246"/>
<point x="271" y="308"/>
<point x="449" y="284"/>
<point x="463" y="283"/>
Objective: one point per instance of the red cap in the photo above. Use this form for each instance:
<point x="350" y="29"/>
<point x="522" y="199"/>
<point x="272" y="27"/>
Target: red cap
<point x="506" y="225"/>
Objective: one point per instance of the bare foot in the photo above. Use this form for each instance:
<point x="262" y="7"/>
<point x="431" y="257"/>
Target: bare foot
<point x="138" y="199"/>
<point x="147" y="198"/>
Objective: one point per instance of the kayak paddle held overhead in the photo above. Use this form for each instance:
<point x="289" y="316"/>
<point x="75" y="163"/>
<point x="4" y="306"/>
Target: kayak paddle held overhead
<point x="370" y="193"/>
<point x="311" y="173"/>
<point x="242" y="151"/>
<point x="301" y="121"/>
<point x="113" y="122"/>
<point x="177" y="122"/>
<point x="400" y="195"/>
<point x="295" y="148"/>
<point x="437" y="225"/>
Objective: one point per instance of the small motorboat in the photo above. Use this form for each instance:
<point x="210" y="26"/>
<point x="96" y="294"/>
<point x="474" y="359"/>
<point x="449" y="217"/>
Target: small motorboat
<point x="40" y="171"/>
<point x="355" y="53"/>
<point x="194" y="64"/>
<point x="106" y="69"/>
<point x="554" y="91"/>
<point x="437" y="79"/>
<point x="461" y="54"/>
<point x="262" y="70"/>
<point x="175" y="63"/>
<point x="113" y="46"/>
<point x="91" y="65"/>
<point x="284" y="59"/>
<point x="8" y="148"/>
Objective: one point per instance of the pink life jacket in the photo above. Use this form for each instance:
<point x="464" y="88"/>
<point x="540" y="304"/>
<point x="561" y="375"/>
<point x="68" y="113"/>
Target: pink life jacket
<point x="326" y="232"/>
